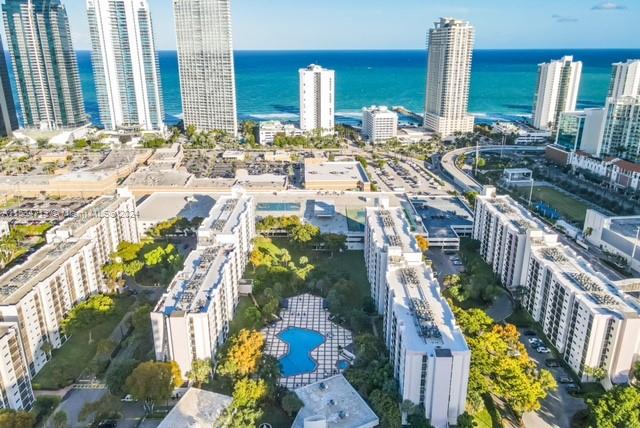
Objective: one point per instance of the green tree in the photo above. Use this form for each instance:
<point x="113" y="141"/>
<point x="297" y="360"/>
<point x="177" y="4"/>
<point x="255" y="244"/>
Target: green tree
<point x="88" y="313"/>
<point x="150" y="382"/>
<point x="617" y="408"/>
<point x="16" y="419"/>
<point x="117" y="376"/>
<point x="291" y="403"/>
<point x="243" y="355"/>
<point x="176" y="374"/>
<point x="106" y="407"/>
<point x="597" y="373"/>
<point x="200" y="372"/>
<point x="249" y="392"/>
<point x="304" y="233"/>
<point x="60" y="419"/>
<point x="333" y="242"/>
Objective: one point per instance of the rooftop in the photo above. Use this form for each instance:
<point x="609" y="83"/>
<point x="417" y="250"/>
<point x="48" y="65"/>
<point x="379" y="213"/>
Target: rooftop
<point x="391" y="227"/>
<point x="419" y="306"/>
<point x="514" y="213"/>
<point x="162" y="206"/>
<point x="595" y="289"/>
<point x="192" y="288"/>
<point x="335" y="401"/>
<point x="196" y="409"/>
<point x="440" y="215"/>
<point x="17" y="282"/>
<point x="316" y="170"/>
<point x="223" y="217"/>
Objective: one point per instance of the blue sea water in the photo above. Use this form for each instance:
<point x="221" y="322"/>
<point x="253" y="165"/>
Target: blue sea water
<point x="502" y="81"/>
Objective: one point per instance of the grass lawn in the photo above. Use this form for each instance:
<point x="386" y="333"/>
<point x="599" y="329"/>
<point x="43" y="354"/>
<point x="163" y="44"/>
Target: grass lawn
<point x="68" y="362"/>
<point x="571" y="208"/>
<point x="239" y="321"/>
<point x="275" y="416"/>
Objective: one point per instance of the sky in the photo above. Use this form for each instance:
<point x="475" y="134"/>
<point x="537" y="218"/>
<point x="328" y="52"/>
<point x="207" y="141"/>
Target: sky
<point x="402" y="24"/>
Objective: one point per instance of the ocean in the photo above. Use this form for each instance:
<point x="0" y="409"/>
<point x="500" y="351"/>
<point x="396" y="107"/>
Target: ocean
<point x="502" y="81"/>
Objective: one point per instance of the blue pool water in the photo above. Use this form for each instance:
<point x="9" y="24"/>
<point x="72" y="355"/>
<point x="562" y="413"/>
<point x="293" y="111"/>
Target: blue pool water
<point x="301" y="342"/>
<point x="343" y="365"/>
<point x="277" y="206"/>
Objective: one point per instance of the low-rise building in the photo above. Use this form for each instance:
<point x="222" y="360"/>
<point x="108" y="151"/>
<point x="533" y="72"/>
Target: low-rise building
<point x="379" y="124"/>
<point x="197" y="408"/>
<point x="517" y="176"/>
<point x="322" y="174"/>
<point x="618" y="235"/>
<point x="4" y="228"/>
<point x="523" y="133"/>
<point x="237" y="155"/>
<point x="334" y="403"/>
<point x="267" y="131"/>
<point x="191" y="320"/>
<point x="427" y="350"/>
<point x="618" y="173"/>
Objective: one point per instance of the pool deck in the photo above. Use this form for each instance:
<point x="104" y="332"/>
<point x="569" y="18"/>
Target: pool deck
<point x="307" y="311"/>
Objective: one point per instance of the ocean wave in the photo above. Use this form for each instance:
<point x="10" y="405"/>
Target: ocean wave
<point x="270" y="116"/>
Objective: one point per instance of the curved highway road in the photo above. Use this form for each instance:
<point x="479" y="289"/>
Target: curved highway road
<point x="464" y="181"/>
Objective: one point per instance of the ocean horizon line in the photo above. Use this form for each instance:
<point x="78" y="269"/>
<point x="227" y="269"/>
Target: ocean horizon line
<point x="415" y="50"/>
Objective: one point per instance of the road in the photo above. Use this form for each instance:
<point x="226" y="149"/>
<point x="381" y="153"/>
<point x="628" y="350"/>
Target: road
<point x="559" y="406"/>
<point x="464" y="181"/>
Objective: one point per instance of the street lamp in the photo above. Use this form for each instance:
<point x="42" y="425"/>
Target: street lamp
<point x="531" y="191"/>
<point x="635" y="244"/>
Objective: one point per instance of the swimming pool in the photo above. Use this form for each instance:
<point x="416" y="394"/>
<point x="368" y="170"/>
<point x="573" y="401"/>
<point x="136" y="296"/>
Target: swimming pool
<point x="301" y="342"/>
<point x="278" y="206"/>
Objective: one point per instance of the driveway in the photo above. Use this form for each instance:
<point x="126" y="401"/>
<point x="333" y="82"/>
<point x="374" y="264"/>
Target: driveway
<point x="559" y="406"/>
<point x="74" y="402"/>
<point x="442" y="265"/>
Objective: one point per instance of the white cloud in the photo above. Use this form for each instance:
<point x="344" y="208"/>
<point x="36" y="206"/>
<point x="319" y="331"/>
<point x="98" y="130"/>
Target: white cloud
<point x="608" y="5"/>
<point x="560" y="18"/>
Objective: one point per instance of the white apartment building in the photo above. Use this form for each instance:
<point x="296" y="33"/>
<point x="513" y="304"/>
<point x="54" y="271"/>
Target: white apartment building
<point x="379" y="124"/>
<point x="428" y="352"/>
<point x="502" y="226"/>
<point x="15" y="382"/>
<point x="125" y="65"/>
<point x="557" y="91"/>
<point x="625" y="79"/>
<point x="38" y="293"/>
<point x="205" y="60"/>
<point x="587" y="319"/>
<point x="317" y="99"/>
<point x="621" y="134"/>
<point x="450" y="45"/>
<point x="267" y="131"/>
<point x="191" y="320"/>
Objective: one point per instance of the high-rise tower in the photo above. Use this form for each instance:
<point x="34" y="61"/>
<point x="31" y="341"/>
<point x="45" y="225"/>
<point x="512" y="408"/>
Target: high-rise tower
<point x="205" y="59"/>
<point x="8" y="119"/>
<point x="557" y="91"/>
<point x="450" y="45"/>
<point x="44" y="63"/>
<point x="125" y="65"/>
<point x="317" y="99"/>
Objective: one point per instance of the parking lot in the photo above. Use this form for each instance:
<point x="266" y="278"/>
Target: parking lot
<point x="559" y="406"/>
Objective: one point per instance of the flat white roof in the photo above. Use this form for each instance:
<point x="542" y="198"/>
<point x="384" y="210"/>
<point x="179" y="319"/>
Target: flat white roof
<point x="334" y="171"/>
<point x="337" y="402"/>
<point x="196" y="409"/>
<point x="162" y="206"/>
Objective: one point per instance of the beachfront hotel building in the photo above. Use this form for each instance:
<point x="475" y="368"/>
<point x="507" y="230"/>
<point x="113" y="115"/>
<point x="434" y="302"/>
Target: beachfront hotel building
<point x="450" y="46"/>
<point x="621" y="133"/>
<point x="317" y="99"/>
<point x="191" y="320"/>
<point x="625" y="79"/>
<point x="15" y="381"/>
<point x="125" y="65"/>
<point x="427" y="350"/>
<point x="44" y="64"/>
<point x="504" y="229"/>
<point x="8" y="118"/>
<point x="37" y="294"/>
<point x="205" y="61"/>
<point x="379" y="124"/>
<point x="585" y="317"/>
<point x="557" y="91"/>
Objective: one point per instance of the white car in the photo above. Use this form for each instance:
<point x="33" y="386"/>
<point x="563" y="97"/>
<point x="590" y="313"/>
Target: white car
<point x="128" y="398"/>
<point x="543" y="350"/>
<point x="534" y="340"/>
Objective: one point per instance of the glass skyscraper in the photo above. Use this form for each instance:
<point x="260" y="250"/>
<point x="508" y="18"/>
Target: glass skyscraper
<point x="8" y="119"/>
<point x="44" y="64"/>
<point x="125" y="65"/>
<point x="205" y="59"/>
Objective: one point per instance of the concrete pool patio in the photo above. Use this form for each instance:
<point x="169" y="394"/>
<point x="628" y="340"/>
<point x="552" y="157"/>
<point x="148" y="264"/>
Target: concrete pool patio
<point x="308" y="312"/>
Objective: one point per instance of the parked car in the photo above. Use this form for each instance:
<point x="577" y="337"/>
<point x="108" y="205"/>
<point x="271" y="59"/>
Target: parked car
<point x="565" y="379"/>
<point x="550" y="362"/>
<point x="572" y="388"/>
<point x="128" y="398"/>
<point x="534" y="340"/>
<point x="529" y="333"/>
<point x="543" y="350"/>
